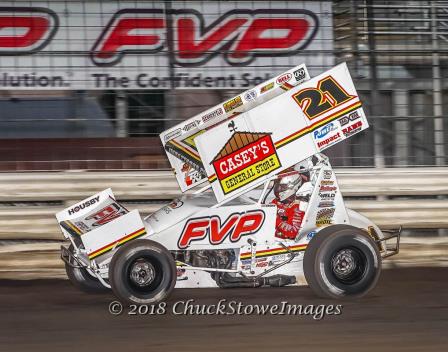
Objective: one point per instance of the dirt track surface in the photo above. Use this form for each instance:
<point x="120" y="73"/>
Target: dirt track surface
<point x="408" y="311"/>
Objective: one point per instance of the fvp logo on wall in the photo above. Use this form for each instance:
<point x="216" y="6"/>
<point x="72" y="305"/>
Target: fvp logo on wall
<point x="244" y="158"/>
<point x="238" y="35"/>
<point x="229" y="44"/>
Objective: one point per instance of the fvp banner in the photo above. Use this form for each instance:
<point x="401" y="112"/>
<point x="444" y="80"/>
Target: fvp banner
<point x="147" y="45"/>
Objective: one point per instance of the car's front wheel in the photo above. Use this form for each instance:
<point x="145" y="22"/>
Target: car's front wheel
<point x="142" y="272"/>
<point x="342" y="261"/>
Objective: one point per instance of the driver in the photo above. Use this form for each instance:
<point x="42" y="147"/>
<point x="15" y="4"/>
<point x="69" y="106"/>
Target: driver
<point x="289" y="216"/>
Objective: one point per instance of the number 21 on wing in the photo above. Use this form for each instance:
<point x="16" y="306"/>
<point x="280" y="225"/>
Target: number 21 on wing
<point x="327" y="95"/>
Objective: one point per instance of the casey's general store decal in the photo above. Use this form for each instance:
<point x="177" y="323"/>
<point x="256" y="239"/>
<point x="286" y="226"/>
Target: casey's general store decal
<point x="244" y="158"/>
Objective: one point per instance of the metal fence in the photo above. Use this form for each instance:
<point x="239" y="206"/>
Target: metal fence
<point x="397" y="52"/>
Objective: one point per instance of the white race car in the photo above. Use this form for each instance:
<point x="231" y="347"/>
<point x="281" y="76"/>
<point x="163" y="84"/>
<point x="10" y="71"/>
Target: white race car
<point x="269" y="213"/>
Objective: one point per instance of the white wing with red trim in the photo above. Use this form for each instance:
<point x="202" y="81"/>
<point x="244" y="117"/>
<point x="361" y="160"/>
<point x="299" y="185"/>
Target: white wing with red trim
<point x="179" y="141"/>
<point x="240" y="154"/>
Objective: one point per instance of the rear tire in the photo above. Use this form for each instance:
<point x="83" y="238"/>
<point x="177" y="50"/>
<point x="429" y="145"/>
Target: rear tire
<point x="82" y="280"/>
<point x="342" y="261"/>
<point x="142" y="272"/>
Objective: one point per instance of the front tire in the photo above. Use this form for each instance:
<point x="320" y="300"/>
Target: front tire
<point x="142" y="272"/>
<point x="342" y="261"/>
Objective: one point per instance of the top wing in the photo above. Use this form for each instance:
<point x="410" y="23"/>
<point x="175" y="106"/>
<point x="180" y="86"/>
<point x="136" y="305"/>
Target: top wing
<point x="240" y="154"/>
<point x="179" y="141"/>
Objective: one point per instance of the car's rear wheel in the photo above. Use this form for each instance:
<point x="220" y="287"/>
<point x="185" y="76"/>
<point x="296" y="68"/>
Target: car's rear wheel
<point x="142" y="272"/>
<point x="82" y="280"/>
<point x="342" y="261"/>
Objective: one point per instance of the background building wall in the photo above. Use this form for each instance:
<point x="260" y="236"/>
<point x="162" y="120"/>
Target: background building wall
<point x="396" y="51"/>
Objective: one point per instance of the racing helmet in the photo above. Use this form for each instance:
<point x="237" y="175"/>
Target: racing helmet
<point x="303" y="168"/>
<point x="286" y="186"/>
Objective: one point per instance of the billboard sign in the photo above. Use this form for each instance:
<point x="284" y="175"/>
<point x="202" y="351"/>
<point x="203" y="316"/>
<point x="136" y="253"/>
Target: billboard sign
<point x="145" y="45"/>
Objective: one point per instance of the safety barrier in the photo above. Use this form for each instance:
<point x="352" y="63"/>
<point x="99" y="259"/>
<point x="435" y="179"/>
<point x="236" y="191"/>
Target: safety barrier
<point x="413" y="197"/>
<point x="30" y="236"/>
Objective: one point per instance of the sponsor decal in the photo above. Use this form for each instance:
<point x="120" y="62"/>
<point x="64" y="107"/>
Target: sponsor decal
<point x="233" y="104"/>
<point x="245" y="158"/>
<point x="189" y="126"/>
<point x="324" y="217"/>
<point x="274" y="251"/>
<point x="310" y="235"/>
<point x="107" y="214"/>
<point x="327" y="189"/>
<point x="176" y="203"/>
<point x="191" y="175"/>
<point x="327" y="196"/>
<point x="352" y="129"/>
<point x="329" y="141"/>
<point x="284" y="79"/>
<point x="84" y="205"/>
<point x="322" y="132"/>
<point x="250" y="95"/>
<point x="262" y="264"/>
<point x="278" y="258"/>
<point x="348" y="118"/>
<point x="173" y="134"/>
<point x="211" y="115"/>
<point x="233" y="228"/>
<point x="299" y="74"/>
<point x="266" y="88"/>
<point x="327" y="174"/>
<point x="81" y="226"/>
<point x="326" y="182"/>
<point x="326" y="204"/>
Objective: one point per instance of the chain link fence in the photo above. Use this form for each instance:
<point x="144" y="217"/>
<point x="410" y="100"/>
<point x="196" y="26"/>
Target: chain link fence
<point x="397" y="52"/>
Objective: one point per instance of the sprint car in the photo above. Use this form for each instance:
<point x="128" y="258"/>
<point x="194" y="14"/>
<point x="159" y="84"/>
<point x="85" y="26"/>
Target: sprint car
<point x="263" y="206"/>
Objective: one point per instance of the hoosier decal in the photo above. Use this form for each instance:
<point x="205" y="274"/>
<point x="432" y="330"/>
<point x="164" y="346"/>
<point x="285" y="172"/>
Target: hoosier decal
<point x="267" y="87"/>
<point x="245" y="158"/>
<point x="233" y="104"/>
<point x="324" y="217"/>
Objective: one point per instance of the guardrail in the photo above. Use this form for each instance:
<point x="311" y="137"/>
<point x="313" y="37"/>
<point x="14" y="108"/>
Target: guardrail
<point x="42" y="260"/>
<point x="409" y="197"/>
<point x="30" y="237"/>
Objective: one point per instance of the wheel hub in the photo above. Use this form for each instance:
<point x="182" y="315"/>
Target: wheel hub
<point x="344" y="263"/>
<point x="142" y="272"/>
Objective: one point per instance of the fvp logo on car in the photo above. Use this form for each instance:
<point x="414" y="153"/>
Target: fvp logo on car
<point x="217" y="230"/>
<point x="238" y="35"/>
